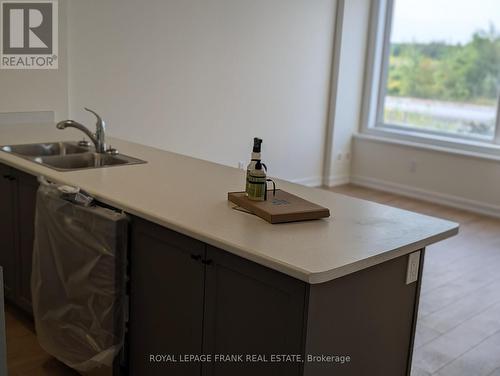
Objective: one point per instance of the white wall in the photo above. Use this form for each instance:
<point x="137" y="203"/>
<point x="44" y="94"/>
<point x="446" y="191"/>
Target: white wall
<point x="38" y="90"/>
<point x="204" y="77"/>
<point x="461" y="181"/>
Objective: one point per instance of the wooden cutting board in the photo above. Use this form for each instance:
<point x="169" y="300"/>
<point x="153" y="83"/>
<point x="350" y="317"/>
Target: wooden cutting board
<point x="280" y="208"/>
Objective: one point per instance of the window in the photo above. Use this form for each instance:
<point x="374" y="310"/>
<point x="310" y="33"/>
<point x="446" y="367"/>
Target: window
<point x="439" y="74"/>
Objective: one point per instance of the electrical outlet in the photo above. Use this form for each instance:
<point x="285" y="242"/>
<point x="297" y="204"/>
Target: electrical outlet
<point x="241" y="165"/>
<point x="339" y="156"/>
<point x="413" y="266"/>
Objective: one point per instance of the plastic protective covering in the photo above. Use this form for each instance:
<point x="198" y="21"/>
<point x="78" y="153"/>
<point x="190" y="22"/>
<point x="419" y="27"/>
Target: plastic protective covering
<point x="78" y="280"/>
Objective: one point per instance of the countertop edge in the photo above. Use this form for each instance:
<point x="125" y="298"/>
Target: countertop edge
<point x="323" y="277"/>
<point x="290" y="270"/>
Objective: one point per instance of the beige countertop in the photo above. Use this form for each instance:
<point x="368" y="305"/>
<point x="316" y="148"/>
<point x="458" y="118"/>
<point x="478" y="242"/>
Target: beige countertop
<point x="189" y="195"/>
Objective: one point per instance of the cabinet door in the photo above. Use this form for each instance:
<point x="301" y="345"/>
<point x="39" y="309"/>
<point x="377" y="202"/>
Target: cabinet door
<point x="167" y="287"/>
<point x="3" y="346"/>
<point x="27" y="186"/>
<point x="250" y="309"/>
<point x="7" y="230"/>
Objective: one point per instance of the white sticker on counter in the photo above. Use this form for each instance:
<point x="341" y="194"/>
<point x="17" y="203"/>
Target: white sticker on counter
<point x="413" y="266"/>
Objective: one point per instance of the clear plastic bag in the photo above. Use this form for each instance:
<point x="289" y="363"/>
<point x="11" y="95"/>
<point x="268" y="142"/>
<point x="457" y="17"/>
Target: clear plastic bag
<point x="78" y="280"/>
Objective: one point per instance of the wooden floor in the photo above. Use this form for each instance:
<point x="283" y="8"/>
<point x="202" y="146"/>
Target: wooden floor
<point x="25" y="357"/>
<point x="458" y="331"/>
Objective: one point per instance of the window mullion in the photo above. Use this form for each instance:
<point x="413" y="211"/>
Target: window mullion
<point x="386" y="51"/>
<point x="497" y="123"/>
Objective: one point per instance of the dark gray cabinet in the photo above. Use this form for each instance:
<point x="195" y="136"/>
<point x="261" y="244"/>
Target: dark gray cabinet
<point x="167" y="290"/>
<point x="188" y="298"/>
<point x="8" y="254"/>
<point x="17" y="208"/>
<point x="27" y="187"/>
<point x="252" y="310"/>
<point x="3" y="345"/>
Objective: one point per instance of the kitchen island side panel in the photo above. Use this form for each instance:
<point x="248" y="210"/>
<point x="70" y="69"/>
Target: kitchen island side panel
<point x="368" y="316"/>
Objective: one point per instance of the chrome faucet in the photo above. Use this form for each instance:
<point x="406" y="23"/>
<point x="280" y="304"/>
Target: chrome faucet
<point x="98" y="138"/>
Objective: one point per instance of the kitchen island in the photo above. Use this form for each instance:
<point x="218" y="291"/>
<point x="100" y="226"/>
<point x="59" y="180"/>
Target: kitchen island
<point x="334" y="295"/>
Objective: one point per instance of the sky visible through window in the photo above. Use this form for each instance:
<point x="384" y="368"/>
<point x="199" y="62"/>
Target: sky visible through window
<point x="444" y="66"/>
<point x="450" y="21"/>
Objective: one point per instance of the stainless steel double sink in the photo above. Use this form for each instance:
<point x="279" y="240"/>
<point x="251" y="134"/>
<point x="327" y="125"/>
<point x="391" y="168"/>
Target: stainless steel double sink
<point x="68" y="156"/>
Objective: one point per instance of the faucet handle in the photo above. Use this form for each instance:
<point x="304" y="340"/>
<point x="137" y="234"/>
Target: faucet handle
<point x="112" y="151"/>
<point x="100" y="122"/>
<point x="84" y="143"/>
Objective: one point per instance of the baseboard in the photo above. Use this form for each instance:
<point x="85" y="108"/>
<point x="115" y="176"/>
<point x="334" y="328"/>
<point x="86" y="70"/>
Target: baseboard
<point x="335" y="180"/>
<point x="315" y="181"/>
<point x="430" y="196"/>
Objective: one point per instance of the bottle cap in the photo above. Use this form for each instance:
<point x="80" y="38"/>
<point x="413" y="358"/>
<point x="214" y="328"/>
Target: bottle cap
<point x="257" y="142"/>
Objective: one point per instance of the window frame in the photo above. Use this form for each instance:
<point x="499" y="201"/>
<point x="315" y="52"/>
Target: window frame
<point x="376" y="71"/>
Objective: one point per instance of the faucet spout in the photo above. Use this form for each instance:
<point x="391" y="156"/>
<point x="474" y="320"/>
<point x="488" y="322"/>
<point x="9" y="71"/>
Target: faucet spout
<point x="100" y="132"/>
<point x="99" y="138"/>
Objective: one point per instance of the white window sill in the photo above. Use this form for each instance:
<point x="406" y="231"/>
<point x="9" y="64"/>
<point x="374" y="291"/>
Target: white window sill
<point x="451" y="145"/>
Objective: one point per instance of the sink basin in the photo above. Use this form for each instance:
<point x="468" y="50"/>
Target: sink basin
<point x="46" y="149"/>
<point x="85" y="160"/>
<point x="68" y="156"/>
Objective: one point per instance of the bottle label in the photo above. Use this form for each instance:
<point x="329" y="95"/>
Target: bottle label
<point x="256" y="187"/>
